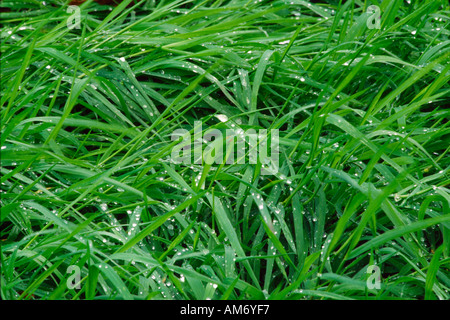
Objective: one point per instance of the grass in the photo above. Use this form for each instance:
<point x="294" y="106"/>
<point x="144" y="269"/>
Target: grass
<point x="87" y="178"/>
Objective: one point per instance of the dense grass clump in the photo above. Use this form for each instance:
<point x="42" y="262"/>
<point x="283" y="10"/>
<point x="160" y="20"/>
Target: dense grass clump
<point x="88" y="182"/>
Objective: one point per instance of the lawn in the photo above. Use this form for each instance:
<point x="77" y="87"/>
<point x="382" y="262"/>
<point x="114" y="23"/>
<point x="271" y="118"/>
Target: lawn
<point x="101" y="106"/>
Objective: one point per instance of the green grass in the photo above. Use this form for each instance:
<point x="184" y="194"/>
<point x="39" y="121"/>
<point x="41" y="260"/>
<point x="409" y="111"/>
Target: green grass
<point x="87" y="179"/>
